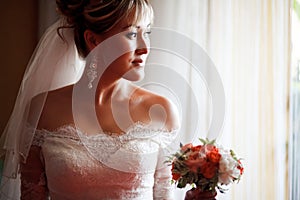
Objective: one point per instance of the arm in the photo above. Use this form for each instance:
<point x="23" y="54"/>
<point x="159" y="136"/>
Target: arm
<point x="33" y="179"/>
<point x="163" y="190"/>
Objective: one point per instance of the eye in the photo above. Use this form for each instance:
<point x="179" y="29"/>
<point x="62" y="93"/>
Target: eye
<point x="132" y="35"/>
<point x="147" y="34"/>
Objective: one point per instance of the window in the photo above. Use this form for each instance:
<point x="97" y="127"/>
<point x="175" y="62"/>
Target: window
<point x="295" y="104"/>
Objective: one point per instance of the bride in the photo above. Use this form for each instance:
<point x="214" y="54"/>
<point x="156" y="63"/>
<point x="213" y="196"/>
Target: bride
<point x="80" y="128"/>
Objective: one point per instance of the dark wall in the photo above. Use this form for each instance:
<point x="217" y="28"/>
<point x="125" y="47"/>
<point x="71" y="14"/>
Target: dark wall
<point x="18" y="38"/>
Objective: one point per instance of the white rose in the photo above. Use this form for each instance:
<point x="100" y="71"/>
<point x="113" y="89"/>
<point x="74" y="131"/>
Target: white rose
<point x="227" y="168"/>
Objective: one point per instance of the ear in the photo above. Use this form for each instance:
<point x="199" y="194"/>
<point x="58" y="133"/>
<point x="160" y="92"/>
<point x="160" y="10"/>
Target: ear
<point x="91" y="39"/>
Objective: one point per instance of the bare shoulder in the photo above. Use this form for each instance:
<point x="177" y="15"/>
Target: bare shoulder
<point x="160" y="109"/>
<point x="51" y="109"/>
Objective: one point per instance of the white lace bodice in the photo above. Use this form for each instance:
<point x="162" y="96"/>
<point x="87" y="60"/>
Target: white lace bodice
<point x="105" y="166"/>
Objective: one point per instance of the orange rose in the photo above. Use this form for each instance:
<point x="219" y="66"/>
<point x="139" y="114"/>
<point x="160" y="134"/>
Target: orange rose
<point x="197" y="148"/>
<point x="208" y="170"/>
<point x="194" y="164"/>
<point x="214" y="155"/>
<point x="175" y="176"/>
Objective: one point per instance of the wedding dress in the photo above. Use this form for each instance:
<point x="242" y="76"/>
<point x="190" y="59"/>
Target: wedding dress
<point x="103" y="166"/>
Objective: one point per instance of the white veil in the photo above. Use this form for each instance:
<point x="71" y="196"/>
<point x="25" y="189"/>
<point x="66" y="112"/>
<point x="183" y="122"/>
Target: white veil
<point x="54" y="64"/>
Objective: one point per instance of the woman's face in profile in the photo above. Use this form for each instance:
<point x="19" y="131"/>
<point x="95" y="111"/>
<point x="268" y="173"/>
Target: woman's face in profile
<point x="134" y="40"/>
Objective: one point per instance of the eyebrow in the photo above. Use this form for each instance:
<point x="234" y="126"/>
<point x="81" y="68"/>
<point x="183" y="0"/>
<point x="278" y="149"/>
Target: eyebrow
<point x="126" y="27"/>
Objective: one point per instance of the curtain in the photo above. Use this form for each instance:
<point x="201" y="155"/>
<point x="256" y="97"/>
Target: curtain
<point x="249" y="43"/>
<point x="294" y="145"/>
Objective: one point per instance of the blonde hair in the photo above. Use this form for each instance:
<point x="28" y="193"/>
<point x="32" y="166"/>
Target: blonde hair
<point x="100" y="16"/>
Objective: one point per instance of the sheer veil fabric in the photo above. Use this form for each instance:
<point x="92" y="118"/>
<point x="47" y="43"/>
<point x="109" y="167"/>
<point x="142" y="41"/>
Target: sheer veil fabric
<point x="54" y="64"/>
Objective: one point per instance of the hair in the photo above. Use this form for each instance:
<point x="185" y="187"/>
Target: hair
<point x="99" y="16"/>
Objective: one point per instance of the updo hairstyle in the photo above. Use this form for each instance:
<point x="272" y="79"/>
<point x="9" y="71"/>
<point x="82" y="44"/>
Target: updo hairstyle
<point x="99" y="16"/>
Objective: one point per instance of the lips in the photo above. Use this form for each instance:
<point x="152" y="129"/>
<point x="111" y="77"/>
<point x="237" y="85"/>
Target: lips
<point x="137" y="62"/>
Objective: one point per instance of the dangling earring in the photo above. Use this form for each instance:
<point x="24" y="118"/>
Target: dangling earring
<point x="92" y="73"/>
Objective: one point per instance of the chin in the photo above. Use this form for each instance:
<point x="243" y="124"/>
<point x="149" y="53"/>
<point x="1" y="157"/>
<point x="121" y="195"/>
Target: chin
<point x="134" y="75"/>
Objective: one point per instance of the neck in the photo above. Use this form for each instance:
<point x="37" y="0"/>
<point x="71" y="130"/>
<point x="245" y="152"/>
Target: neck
<point x="108" y="90"/>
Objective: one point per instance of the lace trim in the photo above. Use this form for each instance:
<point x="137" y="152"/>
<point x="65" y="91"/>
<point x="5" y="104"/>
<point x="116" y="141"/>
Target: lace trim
<point x="137" y="130"/>
<point x="138" y="148"/>
<point x="64" y="132"/>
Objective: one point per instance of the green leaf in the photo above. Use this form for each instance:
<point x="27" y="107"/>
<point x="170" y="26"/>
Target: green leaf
<point x="233" y="155"/>
<point x="202" y="140"/>
<point x="207" y="141"/>
<point x="212" y="142"/>
<point x="181" y="183"/>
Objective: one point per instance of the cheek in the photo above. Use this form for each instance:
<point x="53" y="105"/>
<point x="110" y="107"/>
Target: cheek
<point x="126" y="58"/>
<point x="117" y="47"/>
<point x="127" y="45"/>
<point x="122" y="63"/>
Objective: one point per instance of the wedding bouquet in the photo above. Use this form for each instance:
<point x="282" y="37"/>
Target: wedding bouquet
<point x="207" y="167"/>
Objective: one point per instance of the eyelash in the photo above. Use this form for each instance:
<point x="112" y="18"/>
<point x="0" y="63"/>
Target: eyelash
<point x="148" y="33"/>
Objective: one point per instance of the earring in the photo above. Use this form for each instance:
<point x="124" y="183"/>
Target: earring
<point x="92" y="73"/>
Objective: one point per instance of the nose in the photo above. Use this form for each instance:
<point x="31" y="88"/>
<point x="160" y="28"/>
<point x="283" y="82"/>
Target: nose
<point x="141" y="51"/>
<point x="142" y="46"/>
